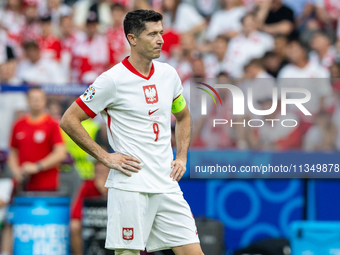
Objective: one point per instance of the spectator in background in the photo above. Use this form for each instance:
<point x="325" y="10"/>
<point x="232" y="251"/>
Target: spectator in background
<point x="68" y="40"/>
<point x="274" y="136"/>
<point x="90" y="56"/>
<point x="216" y="62"/>
<point x="300" y="66"/>
<point x="82" y="10"/>
<point x="56" y="9"/>
<point x="12" y="104"/>
<point x="118" y="45"/>
<point x="302" y="9"/>
<point x="226" y="21"/>
<point x="275" y="18"/>
<point x="36" y="150"/>
<point x="89" y="189"/>
<point x="262" y="85"/>
<point x="49" y="44"/>
<point x="323" y="52"/>
<point x="182" y="17"/>
<point x="275" y="60"/>
<point x="273" y="63"/>
<point x="254" y="69"/>
<point x="13" y="21"/>
<point x="322" y="135"/>
<point x="183" y="55"/>
<point x="36" y="146"/>
<point x="280" y="47"/>
<point x="250" y="44"/>
<point x="328" y="12"/>
<point x="31" y="30"/>
<point x="38" y="71"/>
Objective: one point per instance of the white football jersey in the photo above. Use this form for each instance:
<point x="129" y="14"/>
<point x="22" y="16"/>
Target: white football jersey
<point x="137" y="111"/>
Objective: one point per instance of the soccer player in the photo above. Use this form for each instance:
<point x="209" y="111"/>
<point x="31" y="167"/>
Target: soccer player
<point x="146" y="207"/>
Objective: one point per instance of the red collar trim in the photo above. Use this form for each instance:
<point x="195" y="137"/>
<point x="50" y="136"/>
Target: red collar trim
<point x="128" y="65"/>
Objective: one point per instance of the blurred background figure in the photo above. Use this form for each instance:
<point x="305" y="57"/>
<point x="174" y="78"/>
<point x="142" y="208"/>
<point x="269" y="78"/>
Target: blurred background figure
<point x="89" y="189"/>
<point x="249" y="44"/>
<point x="56" y="9"/>
<point x="35" y="70"/>
<point x="226" y="21"/>
<point x="118" y="45"/>
<point x="90" y="56"/>
<point x="322" y="135"/>
<point x="217" y="61"/>
<point x="275" y="18"/>
<point x="36" y="150"/>
<point x="31" y="30"/>
<point x="182" y="17"/>
<point x="323" y="53"/>
<point x="49" y="44"/>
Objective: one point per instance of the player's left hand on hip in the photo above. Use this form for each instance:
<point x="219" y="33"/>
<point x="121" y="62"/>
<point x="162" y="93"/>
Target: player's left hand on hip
<point x="30" y="168"/>
<point x="179" y="168"/>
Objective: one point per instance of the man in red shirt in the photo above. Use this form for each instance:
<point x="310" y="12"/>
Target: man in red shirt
<point x="89" y="189"/>
<point x="36" y="146"/>
<point x="36" y="150"/>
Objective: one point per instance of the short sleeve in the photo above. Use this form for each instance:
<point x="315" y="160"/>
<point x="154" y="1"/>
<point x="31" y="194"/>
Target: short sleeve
<point x="14" y="141"/>
<point x="55" y="134"/>
<point x="98" y="95"/>
<point x="178" y="86"/>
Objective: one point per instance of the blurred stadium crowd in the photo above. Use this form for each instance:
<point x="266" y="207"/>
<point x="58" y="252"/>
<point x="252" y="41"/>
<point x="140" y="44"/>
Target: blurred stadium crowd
<point x="61" y="42"/>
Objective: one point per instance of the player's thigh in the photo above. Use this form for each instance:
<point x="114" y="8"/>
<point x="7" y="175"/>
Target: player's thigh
<point x="188" y="249"/>
<point x="174" y="224"/>
<point x="126" y="228"/>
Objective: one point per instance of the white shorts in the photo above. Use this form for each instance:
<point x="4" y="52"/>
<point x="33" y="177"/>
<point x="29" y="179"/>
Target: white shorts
<point x="152" y="220"/>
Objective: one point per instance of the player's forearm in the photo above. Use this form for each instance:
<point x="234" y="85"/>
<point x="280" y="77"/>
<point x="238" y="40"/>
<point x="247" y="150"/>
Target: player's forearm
<point x="182" y="131"/>
<point x="73" y="128"/>
<point x="54" y="158"/>
<point x="13" y="161"/>
<point x="284" y="27"/>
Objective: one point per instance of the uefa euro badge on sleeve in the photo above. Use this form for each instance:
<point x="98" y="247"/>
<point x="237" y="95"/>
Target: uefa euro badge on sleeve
<point x="89" y="93"/>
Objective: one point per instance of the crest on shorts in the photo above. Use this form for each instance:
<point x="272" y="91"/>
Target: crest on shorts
<point x="127" y="233"/>
<point x="150" y="93"/>
<point x="89" y="93"/>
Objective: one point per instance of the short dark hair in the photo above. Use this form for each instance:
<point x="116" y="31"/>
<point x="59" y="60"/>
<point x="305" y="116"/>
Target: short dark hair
<point x="249" y="14"/>
<point x="134" y="22"/>
<point x="117" y="6"/>
<point x="301" y="44"/>
<point x="30" y="45"/>
<point x="254" y="62"/>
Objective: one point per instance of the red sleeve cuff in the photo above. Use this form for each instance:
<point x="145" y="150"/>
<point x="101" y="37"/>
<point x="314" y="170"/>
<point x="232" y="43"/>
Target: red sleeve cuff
<point x="85" y="108"/>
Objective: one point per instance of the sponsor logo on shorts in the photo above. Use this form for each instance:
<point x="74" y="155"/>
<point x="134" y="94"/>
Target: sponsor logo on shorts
<point x="127" y="233"/>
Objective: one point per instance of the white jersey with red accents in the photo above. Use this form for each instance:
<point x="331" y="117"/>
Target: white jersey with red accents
<point x="137" y="110"/>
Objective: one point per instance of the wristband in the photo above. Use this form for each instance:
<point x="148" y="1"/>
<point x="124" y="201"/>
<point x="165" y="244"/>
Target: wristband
<point x="39" y="166"/>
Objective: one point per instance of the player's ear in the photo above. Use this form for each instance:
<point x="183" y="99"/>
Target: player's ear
<point x="132" y="39"/>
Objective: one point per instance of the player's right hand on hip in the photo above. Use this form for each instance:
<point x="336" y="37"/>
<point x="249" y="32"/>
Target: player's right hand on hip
<point x="123" y="163"/>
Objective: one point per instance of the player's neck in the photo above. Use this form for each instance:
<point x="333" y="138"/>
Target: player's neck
<point x="36" y="115"/>
<point x="142" y="65"/>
